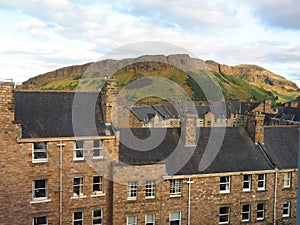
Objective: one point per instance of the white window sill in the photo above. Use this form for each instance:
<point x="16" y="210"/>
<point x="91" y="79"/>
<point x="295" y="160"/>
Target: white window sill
<point x="34" y="201"/>
<point x="224" y="223"/>
<point x="285" y="216"/>
<point x="259" y="219"/>
<point x="78" y="159"/>
<point x="246" y="190"/>
<point x="286" y="187"/>
<point x="40" y="161"/>
<point x="131" y="198"/>
<point x="245" y="221"/>
<point x="97" y="195"/>
<point x="175" y="196"/>
<point x="261" y="189"/>
<point x="98" y="157"/>
<point x="150" y="197"/>
<point x="79" y="196"/>
<point x="224" y="192"/>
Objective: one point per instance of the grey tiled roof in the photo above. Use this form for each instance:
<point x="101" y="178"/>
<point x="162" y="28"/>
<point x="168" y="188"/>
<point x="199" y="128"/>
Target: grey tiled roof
<point x="281" y="145"/>
<point x="237" y="152"/>
<point x="143" y="113"/>
<point x="289" y="114"/>
<point x="49" y="114"/>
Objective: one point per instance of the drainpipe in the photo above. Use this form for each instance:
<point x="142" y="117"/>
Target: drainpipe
<point x="60" y="145"/>
<point x="189" y="182"/>
<point x="275" y="195"/>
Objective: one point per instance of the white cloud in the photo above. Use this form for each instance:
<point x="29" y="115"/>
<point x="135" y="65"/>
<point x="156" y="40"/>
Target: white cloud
<point x="283" y="14"/>
<point x="46" y="34"/>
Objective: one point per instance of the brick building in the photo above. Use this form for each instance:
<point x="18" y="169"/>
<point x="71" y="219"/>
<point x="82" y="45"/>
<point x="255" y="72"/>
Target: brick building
<point x="55" y="173"/>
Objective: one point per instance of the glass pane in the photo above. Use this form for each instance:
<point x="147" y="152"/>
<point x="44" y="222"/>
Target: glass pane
<point x="96" y="144"/>
<point x="40" y="220"/>
<point x="246" y="208"/>
<point x="96" y="152"/>
<point x="174" y="222"/>
<point x="77" y="181"/>
<point x="97" y="221"/>
<point x="78" y="223"/>
<point x="131" y="219"/>
<point x="175" y="215"/>
<point x="149" y="218"/>
<point x="40" y="193"/>
<point x="245" y="216"/>
<point x="77" y="215"/>
<point x="260" y="214"/>
<point x="224" y="179"/>
<point x="40" y="145"/>
<point x="97" y="213"/>
<point x="40" y="155"/>
<point x="40" y="183"/>
<point x="260" y="206"/>
<point x="223" y="210"/>
<point x="96" y="179"/>
<point x="79" y="144"/>
<point x="79" y="153"/>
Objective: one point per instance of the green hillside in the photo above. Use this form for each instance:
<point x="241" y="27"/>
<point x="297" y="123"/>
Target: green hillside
<point x="238" y="83"/>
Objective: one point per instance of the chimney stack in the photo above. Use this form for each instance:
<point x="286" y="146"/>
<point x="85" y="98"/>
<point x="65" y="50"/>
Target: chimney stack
<point x="110" y="94"/>
<point x="189" y="129"/>
<point x="255" y="127"/>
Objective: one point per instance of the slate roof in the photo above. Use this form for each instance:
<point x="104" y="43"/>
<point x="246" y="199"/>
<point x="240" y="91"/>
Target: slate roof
<point x="143" y="113"/>
<point x="169" y="111"/>
<point x="49" y="114"/>
<point x="288" y="113"/>
<point x="281" y="145"/>
<point x="237" y="153"/>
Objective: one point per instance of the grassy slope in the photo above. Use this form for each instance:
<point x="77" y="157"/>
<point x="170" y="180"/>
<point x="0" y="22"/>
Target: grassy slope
<point x="233" y="87"/>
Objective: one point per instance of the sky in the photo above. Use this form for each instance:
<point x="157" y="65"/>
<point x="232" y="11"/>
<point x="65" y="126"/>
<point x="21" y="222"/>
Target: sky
<point x="38" y="36"/>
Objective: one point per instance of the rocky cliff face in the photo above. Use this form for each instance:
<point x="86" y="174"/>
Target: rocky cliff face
<point x="238" y="82"/>
<point x="251" y="73"/>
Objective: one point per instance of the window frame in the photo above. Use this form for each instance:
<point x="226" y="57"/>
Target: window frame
<point x="100" y="183"/>
<point x="150" y="222"/>
<point x="97" y="217"/>
<point x="99" y="148"/>
<point x="175" y="188"/>
<point x="81" y="219"/>
<point x="35" y="223"/>
<point x="150" y="189"/>
<point x="39" y="150"/>
<point x="248" y="213"/>
<point x="227" y="214"/>
<point x="170" y="218"/>
<point x="260" y="210"/>
<point x="249" y="182"/>
<point x="34" y="189"/>
<point x="80" y="185"/>
<point x="76" y="149"/>
<point x="135" y="220"/>
<point x="288" y="208"/>
<point x="287" y="179"/>
<point x="226" y="183"/>
<point x="261" y="180"/>
<point x="132" y="190"/>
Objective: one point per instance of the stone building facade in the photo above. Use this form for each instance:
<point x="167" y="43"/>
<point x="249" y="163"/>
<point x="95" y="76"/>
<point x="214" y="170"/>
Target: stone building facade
<point x="51" y="178"/>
